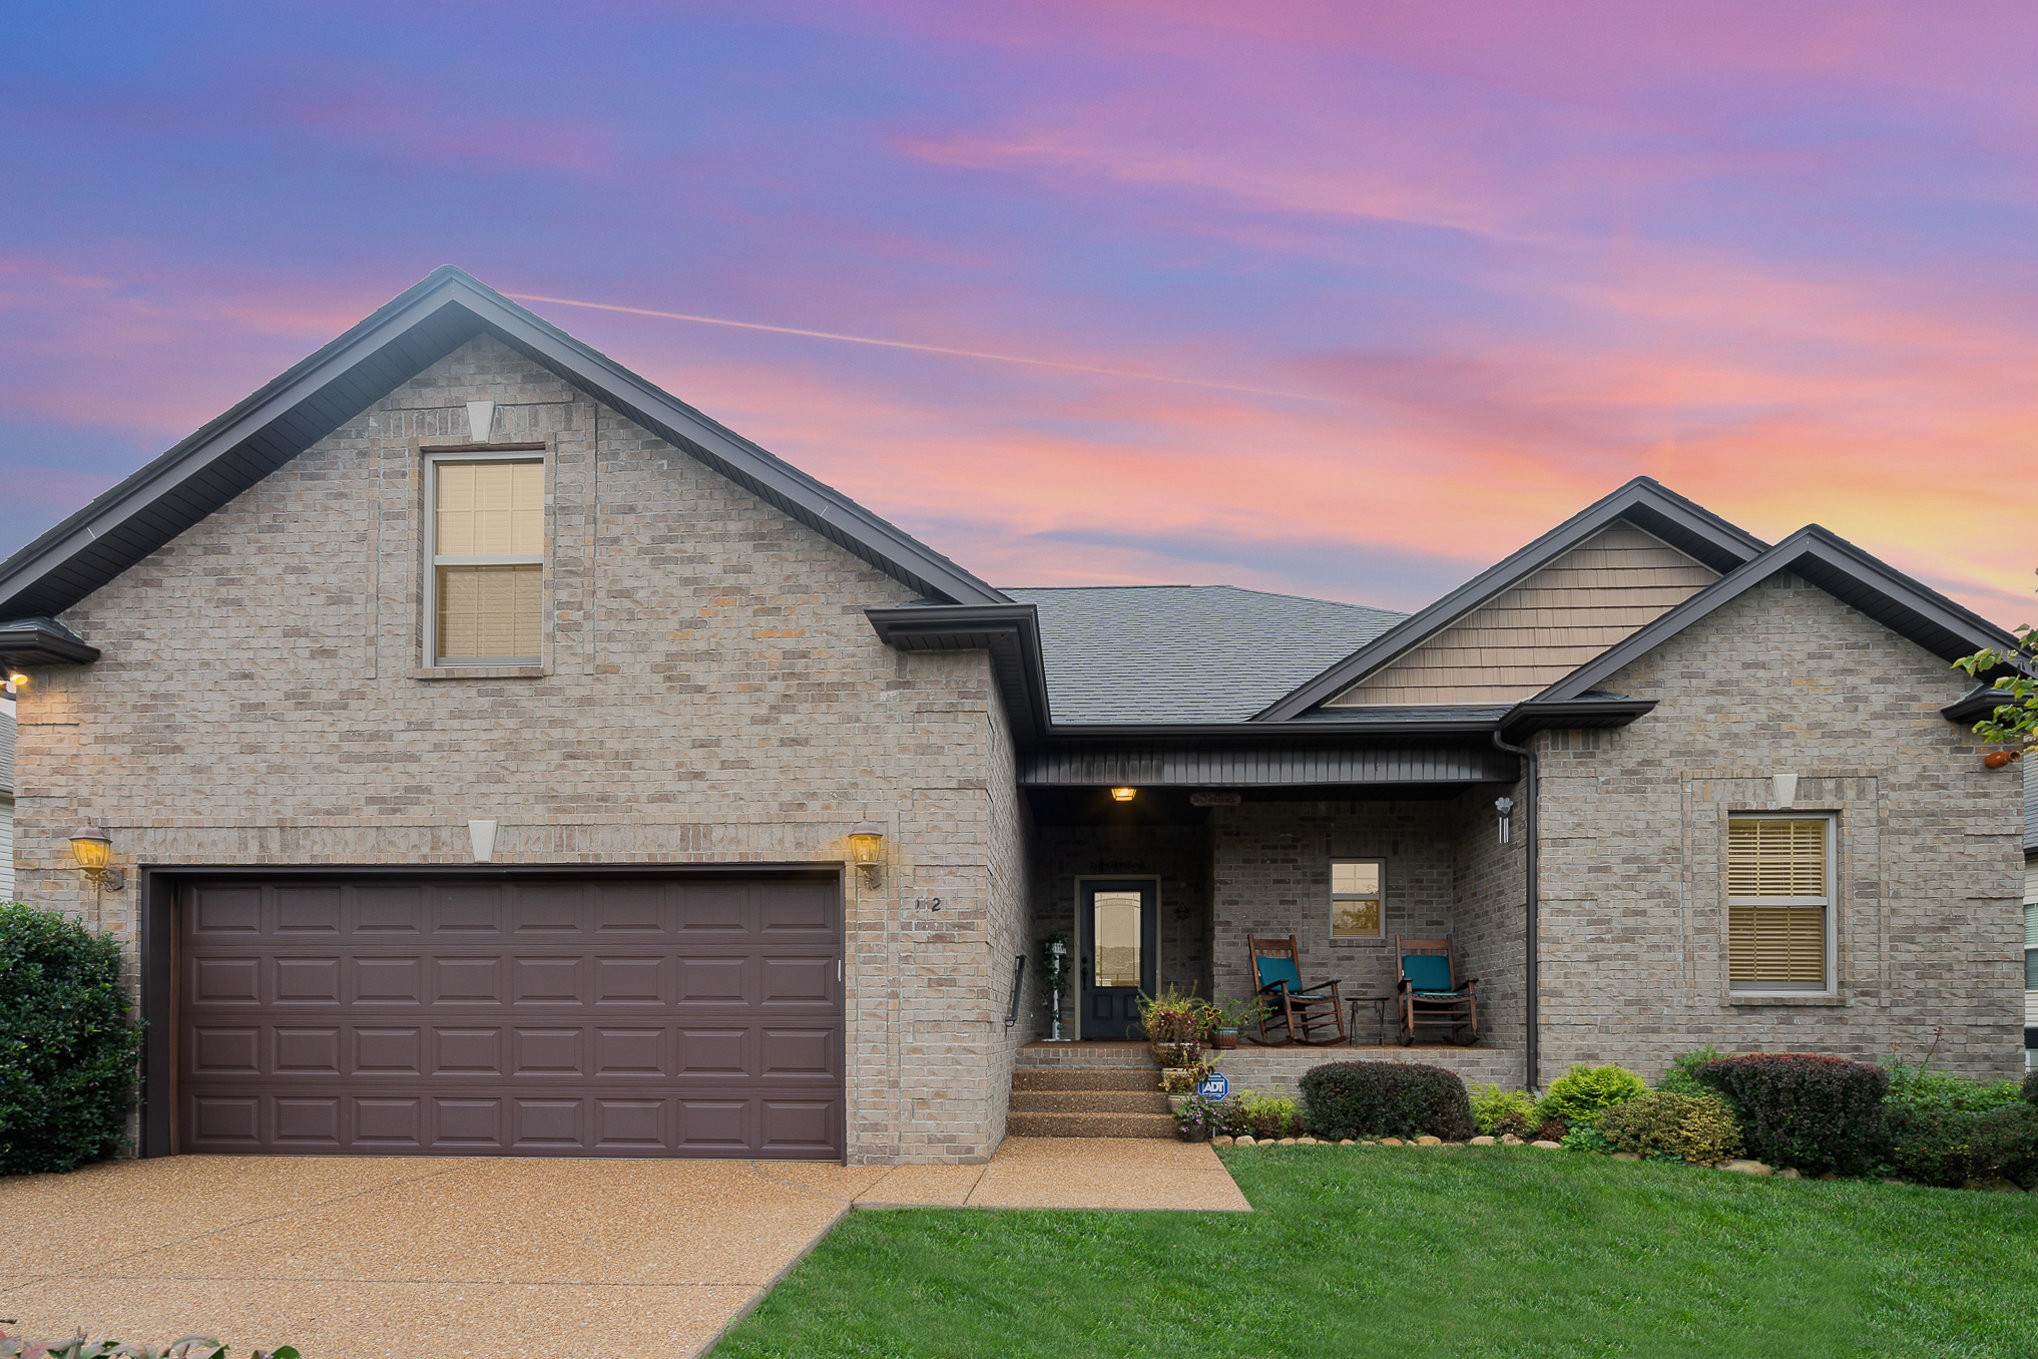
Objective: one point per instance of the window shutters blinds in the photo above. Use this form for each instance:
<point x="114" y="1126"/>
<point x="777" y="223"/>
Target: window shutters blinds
<point x="489" y="550"/>
<point x="1777" y="892"/>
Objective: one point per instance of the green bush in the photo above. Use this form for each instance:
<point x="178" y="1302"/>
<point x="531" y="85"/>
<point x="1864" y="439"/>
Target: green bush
<point x="1583" y="1093"/>
<point x="1496" y="1111"/>
<point x="1682" y="1077"/>
<point x="1385" y="1099"/>
<point x="1917" y="1086"/>
<point x="1663" y="1124"/>
<point x="1949" y="1146"/>
<point x="1804" y="1110"/>
<point x="1252" y="1114"/>
<point x="2031" y="1087"/>
<point x="68" y="1044"/>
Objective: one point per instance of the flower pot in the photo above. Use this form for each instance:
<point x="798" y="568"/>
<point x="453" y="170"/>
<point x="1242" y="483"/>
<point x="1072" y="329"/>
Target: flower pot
<point x="1224" y="1038"/>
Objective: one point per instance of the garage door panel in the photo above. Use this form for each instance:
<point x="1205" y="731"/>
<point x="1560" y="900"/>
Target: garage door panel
<point x="305" y="1050"/>
<point x="622" y="1017"/>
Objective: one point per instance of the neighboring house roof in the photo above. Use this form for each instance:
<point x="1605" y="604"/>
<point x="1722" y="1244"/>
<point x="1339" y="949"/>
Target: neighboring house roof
<point x="1186" y="653"/>
<point x="7" y="754"/>
<point x="414" y="330"/>
<point x="1644" y="502"/>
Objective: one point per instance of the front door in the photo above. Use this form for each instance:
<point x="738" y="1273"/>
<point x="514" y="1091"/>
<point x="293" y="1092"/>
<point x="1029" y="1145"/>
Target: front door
<point x="1119" y="929"/>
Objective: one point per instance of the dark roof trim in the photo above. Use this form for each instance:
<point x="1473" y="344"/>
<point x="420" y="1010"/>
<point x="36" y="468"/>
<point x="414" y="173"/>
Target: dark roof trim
<point x="1644" y="502"/>
<point x="1010" y="632"/>
<point x="1835" y="565"/>
<point x="1572" y="715"/>
<point x="43" y="641"/>
<point x="1979" y="702"/>
<point x="426" y="321"/>
<point x="1261" y="767"/>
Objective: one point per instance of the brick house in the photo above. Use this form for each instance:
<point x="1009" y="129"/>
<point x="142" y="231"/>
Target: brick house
<point x="494" y="754"/>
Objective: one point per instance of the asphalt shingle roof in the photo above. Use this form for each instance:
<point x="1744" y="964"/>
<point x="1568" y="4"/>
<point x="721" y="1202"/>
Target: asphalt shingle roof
<point x="1187" y="653"/>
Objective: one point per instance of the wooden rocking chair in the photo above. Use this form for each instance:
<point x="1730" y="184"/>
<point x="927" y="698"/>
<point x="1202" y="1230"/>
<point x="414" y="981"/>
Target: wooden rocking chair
<point x="1431" y="992"/>
<point x="1297" y="1013"/>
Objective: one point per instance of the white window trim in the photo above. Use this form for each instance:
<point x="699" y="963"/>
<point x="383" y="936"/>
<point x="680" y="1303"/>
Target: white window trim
<point x="1829" y="902"/>
<point x="1336" y="896"/>
<point x="433" y="561"/>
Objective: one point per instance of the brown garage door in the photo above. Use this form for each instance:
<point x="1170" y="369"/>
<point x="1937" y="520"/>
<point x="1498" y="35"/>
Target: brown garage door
<point x="511" y="1015"/>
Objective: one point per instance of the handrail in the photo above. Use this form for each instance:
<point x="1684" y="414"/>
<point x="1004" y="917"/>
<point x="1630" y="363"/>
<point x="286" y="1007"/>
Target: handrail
<point x="1018" y="984"/>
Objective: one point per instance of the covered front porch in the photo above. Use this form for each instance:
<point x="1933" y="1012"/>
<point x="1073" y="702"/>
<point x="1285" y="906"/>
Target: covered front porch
<point x="1164" y="888"/>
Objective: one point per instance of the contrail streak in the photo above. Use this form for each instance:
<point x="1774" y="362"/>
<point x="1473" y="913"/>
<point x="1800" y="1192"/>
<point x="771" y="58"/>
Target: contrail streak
<point x="921" y="348"/>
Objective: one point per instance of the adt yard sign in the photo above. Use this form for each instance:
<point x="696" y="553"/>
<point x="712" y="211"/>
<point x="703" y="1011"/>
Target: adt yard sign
<point x="1215" y="1087"/>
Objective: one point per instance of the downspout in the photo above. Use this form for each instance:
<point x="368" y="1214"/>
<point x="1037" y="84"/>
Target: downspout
<point x="1532" y="1010"/>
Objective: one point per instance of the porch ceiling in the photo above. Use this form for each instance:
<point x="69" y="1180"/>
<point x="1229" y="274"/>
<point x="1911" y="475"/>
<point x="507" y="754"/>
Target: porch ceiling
<point x="1246" y="767"/>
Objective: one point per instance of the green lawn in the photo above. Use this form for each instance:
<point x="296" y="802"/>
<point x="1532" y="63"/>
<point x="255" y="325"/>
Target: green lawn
<point x="1416" y="1253"/>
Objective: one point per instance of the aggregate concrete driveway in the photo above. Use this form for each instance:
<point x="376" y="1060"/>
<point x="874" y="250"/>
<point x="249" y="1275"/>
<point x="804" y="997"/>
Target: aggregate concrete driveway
<point x="364" y="1257"/>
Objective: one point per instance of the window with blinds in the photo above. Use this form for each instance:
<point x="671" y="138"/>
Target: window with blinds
<point x="487" y="521"/>
<point x="2031" y="946"/>
<point x="1779" y="903"/>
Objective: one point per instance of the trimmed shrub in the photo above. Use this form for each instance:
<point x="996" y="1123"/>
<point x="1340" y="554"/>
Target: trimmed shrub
<point x="2031" y="1087"/>
<point x="68" y="1044"/>
<point x="1949" y="1147"/>
<point x="1581" y="1094"/>
<point x="1800" y="1109"/>
<point x="1665" y="1124"/>
<point x="1552" y="1130"/>
<point x="1496" y="1111"/>
<point x="1682" y="1077"/>
<point x="1385" y="1099"/>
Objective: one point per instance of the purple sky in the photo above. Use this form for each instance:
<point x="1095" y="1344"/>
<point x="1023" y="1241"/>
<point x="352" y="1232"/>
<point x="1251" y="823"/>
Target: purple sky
<point x="1433" y="276"/>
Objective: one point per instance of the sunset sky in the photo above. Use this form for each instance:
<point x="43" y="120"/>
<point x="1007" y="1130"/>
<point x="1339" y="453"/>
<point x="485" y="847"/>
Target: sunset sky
<point x="1341" y="299"/>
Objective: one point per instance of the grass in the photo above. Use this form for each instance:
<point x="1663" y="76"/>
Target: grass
<point x="1413" y="1253"/>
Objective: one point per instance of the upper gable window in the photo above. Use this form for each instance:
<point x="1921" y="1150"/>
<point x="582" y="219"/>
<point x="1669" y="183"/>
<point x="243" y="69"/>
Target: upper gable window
<point x="486" y="518"/>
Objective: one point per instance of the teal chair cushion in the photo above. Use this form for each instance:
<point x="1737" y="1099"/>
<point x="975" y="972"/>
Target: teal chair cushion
<point x="1426" y="971"/>
<point x="1280" y="972"/>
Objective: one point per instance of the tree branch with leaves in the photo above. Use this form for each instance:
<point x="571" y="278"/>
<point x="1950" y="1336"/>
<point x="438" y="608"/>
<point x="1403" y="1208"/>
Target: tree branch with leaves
<point x="2013" y="725"/>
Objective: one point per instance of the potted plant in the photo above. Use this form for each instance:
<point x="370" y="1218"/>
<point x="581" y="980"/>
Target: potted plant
<point x="1173" y="1021"/>
<point x="1229" y="1019"/>
<point x="1196" y="1119"/>
<point x="1180" y="1083"/>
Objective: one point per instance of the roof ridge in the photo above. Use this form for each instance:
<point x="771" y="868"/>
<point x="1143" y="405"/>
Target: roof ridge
<point x="1240" y="589"/>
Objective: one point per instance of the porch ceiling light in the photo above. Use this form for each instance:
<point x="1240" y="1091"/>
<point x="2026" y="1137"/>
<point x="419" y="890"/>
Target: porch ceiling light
<point x="1124" y="794"/>
<point x="867" y="852"/>
<point x="94" y="853"/>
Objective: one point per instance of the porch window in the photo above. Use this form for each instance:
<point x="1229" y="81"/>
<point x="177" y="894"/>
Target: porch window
<point x="1779" y="903"/>
<point x="486" y="517"/>
<point x="1358" y="907"/>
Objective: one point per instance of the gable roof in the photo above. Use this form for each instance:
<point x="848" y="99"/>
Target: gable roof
<point x="1852" y="576"/>
<point x="1186" y="653"/>
<point x="1644" y="502"/>
<point x="400" y="339"/>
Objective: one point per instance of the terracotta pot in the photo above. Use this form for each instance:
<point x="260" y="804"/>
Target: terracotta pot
<point x="1996" y="759"/>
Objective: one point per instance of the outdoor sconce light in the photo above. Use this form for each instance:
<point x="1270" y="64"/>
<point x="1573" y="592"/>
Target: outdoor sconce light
<point x="1124" y="794"/>
<point x="867" y="852"/>
<point x="16" y="678"/>
<point x="1505" y="806"/>
<point x="94" y="853"/>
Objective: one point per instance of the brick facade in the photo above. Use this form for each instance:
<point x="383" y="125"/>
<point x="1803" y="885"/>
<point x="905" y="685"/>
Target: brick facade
<point x="1785" y="680"/>
<point x="710" y="693"/>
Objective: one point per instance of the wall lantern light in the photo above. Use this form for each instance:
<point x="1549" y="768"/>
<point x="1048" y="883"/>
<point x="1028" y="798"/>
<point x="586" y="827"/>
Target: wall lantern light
<point x="94" y="853"/>
<point x="1124" y="794"/>
<point x="16" y="678"/>
<point x="867" y="852"/>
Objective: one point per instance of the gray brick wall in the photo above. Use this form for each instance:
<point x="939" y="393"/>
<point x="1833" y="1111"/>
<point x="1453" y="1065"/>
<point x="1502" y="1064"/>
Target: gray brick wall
<point x="710" y="692"/>
<point x="1785" y="680"/>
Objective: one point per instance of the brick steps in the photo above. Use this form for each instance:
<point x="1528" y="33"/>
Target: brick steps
<point x="1087" y="1078"/>
<point x="1147" y="1101"/>
<point x="1020" y="1124"/>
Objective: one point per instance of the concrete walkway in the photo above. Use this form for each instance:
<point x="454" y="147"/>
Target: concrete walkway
<point x="356" y="1258"/>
